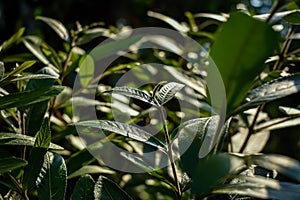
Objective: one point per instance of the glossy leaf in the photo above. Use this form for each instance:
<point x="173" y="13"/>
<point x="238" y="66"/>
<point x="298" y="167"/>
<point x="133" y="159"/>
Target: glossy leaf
<point x="133" y="93"/>
<point x="57" y="26"/>
<point x="167" y="92"/>
<point x="19" y="139"/>
<point x="293" y="17"/>
<point x="26" y="98"/>
<point x="261" y="187"/>
<point x="240" y="50"/>
<point x="282" y="164"/>
<point x="125" y="130"/>
<point x="273" y="90"/>
<point x="91" y="34"/>
<point x="9" y="163"/>
<point x="106" y="189"/>
<point x="52" y="180"/>
<point x="84" y="189"/>
<point x="86" y="71"/>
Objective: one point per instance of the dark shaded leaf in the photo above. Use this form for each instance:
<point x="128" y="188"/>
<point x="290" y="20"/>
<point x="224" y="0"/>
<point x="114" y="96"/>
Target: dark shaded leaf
<point x="9" y="163"/>
<point x="167" y="92"/>
<point x="90" y="35"/>
<point x="26" y="98"/>
<point x="106" y="189"/>
<point x="52" y="180"/>
<point x="240" y="50"/>
<point x="2" y="70"/>
<point x="57" y="26"/>
<point x="133" y="93"/>
<point x="18" y="139"/>
<point x="125" y="130"/>
<point x="84" y="189"/>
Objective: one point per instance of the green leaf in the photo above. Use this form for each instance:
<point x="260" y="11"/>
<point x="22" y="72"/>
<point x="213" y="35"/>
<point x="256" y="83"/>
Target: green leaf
<point x="2" y="70"/>
<point x="32" y="170"/>
<point x="106" y="189"/>
<point x="90" y="169"/>
<point x="293" y="18"/>
<point x="26" y="98"/>
<point x="84" y="189"/>
<point x="86" y="71"/>
<point x="176" y="25"/>
<point x="12" y="40"/>
<point x="282" y="164"/>
<point x="242" y="45"/>
<point x="91" y="34"/>
<point x="9" y="163"/>
<point x="125" y="130"/>
<point x="19" y="139"/>
<point x="33" y="44"/>
<point x="260" y="187"/>
<point x="57" y="26"/>
<point x="133" y="93"/>
<point x="52" y="180"/>
<point x="271" y="91"/>
<point x="43" y="138"/>
<point x="167" y="92"/>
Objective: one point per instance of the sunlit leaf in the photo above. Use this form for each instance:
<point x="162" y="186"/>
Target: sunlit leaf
<point x="19" y="139"/>
<point x="29" y="97"/>
<point x="167" y="92"/>
<point x="125" y="130"/>
<point x="86" y="71"/>
<point x="90" y="169"/>
<point x="273" y="90"/>
<point x="169" y="21"/>
<point x="242" y="45"/>
<point x="52" y="180"/>
<point x="133" y="93"/>
<point x="57" y="26"/>
<point x="293" y="17"/>
<point x="106" y="189"/>
<point x="91" y="34"/>
<point x="12" y="40"/>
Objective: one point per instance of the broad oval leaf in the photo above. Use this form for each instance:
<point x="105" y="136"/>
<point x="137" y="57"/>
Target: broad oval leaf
<point x="273" y="90"/>
<point x="242" y="45"/>
<point x="10" y="163"/>
<point x="52" y="180"/>
<point x="125" y="130"/>
<point x="84" y="189"/>
<point x="26" y="98"/>
<point x="19" y="139"/>
<point x="167" y="92"/>
<point x="57" y="26"/>
<point x="106" y="189"/>
<point x="133" y="93"/>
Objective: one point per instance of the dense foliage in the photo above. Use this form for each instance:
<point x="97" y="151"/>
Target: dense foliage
<point x="254" y="153"/>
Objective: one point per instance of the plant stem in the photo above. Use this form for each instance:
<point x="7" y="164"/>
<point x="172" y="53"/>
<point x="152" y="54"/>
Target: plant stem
<point x="169" y="151"/>
<point x="251" y="128"/>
